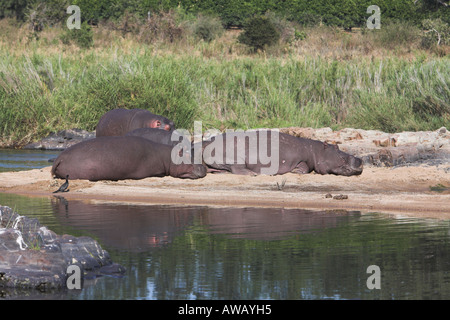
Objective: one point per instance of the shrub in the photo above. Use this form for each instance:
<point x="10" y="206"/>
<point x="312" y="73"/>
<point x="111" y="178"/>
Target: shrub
<point x="284" y="27"/>
<point x="300" y="35"/>
<point x="127" y="23"/>
<point x="396" y="33"/>
<point x="82" y="37"/>
<point x="258" y="33"/>
<point x="162" y="26"/>
<point x="40" y="14"/>
<point x="208" y="28"/>
<point x="437" y="32"/>
<point x="309" y="19"/>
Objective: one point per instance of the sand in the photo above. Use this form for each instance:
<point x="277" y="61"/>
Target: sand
<point x="399" y="190"/>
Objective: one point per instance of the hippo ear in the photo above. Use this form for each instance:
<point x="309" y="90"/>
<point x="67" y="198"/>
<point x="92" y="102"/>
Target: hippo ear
<point x="334" y="146"/>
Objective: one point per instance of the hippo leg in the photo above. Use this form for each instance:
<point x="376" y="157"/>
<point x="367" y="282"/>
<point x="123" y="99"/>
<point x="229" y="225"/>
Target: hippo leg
<point x="212" y="170"/>
<point x="301" y="168"/>
<point x="242" y="170"/>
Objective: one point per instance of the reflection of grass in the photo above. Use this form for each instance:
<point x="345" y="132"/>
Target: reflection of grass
<point x="439" y="188"/>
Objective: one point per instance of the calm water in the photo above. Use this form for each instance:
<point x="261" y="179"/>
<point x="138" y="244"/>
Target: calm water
<point x="231" y="253"/>
<point x="244" y="253"/>
<point x="17" y="160"/>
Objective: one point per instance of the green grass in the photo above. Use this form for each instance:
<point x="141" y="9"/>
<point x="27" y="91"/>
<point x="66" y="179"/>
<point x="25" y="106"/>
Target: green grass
<point x="44" y="88"/>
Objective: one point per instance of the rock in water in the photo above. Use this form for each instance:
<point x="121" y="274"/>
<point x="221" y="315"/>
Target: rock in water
<point x="61" y="140"/>
<point x="34" y="257"/>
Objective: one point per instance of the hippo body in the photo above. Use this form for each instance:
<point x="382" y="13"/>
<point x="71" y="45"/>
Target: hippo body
<point x="297" y="155"/>
<point x="118" y="122"/>
<point x="170" y="138"/>
<point x="118" y="158"/>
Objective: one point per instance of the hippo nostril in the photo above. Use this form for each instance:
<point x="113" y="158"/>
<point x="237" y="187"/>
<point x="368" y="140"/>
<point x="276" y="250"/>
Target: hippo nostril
<point x="356" y="163"/>
<point x="199" y="171"/>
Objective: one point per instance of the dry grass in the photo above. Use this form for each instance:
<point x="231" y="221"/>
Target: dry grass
<point x="327" y="42"/>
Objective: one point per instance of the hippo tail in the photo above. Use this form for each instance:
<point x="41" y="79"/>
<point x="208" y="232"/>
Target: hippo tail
<point x="56" y="163"/>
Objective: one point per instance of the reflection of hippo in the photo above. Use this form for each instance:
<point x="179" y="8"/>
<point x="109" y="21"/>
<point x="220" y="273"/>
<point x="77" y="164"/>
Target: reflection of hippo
<point x="270" y="223"/>
<point x="134" y="228"/>
<point x="296" y="155"/>
<point x="156" y="135"/>
<point x="118" y="122"/>
<point x="118" y="158"/>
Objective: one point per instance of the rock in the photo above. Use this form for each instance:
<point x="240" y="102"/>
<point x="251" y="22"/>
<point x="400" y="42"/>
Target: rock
<point x="328" y="195"/>
<point x="34" y="257"/>
<point x="390" y="142"/>
<point x="307" y="133"/>
<point x="340" y="197"/>
<point x="61" y="140"/>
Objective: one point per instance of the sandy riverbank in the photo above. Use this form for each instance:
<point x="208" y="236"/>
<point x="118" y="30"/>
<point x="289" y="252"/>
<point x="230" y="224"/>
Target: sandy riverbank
<point x="399" y="190"/>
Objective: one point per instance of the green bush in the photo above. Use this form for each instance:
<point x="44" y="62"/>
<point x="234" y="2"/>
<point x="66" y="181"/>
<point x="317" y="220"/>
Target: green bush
<point x="397" y="33"/>
<point x="41" y="14"/>
<point x="300" y="35"/>
<point x="259" y="32"/>
<point x="437" y="32"/>
<point x="208" y="28"/>
<point x="82" y="37"/>
<point x="285" y="28"/>
<point x="163" y="26"/>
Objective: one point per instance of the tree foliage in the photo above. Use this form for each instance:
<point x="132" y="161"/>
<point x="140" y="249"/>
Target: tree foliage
<point x="259" y="32"/>
<point x="344" y="13"/>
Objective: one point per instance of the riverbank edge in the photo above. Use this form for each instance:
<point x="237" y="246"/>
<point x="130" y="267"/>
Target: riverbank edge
<point x="405" y="191"/>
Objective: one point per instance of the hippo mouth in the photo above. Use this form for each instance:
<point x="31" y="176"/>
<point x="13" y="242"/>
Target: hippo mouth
<point x="355" y="168"/>
<point x="199" y="171"/>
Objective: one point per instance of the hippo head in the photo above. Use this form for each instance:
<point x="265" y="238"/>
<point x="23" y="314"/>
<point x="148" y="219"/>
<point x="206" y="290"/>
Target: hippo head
<point x="335" y="161"/>
<point x="161" y="123"/>
<point x="189" y="171"/>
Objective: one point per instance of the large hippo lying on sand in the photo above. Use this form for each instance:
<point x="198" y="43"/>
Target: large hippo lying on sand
<point x="118" y="122"/>
<point x="118" y="158"/>
<point x="258" y="154"/>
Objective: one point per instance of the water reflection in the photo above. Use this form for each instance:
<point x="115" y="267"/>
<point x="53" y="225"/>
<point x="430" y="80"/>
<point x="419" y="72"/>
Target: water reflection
<point x="132" y="228"/>
<point x="270" y="223"/>
<point x="138" y="228"/>
<point x="252" y="253"/>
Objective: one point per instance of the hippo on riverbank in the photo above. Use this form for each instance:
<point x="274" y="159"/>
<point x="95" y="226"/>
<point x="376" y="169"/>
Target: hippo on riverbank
<point x="273" y="153"/>
<point x="118" y="122"/>
<point x="119" y="158"/>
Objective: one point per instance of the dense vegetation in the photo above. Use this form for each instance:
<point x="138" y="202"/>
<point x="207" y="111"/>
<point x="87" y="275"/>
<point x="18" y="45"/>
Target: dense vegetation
<point x="182" y="64"/>
<point x="346" y="13"/>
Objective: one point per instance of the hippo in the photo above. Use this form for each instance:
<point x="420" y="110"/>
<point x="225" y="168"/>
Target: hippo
<point x="118" y="122"/>
<point x="170" y="138"/>
<point x="248" y="154"/>
<point x="119" y="158"/>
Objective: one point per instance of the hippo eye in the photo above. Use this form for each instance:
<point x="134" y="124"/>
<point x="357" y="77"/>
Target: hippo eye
<point x="342" y="158"/>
